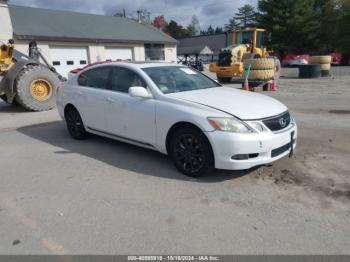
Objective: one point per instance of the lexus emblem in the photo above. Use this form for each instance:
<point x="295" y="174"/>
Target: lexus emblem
<point x="283" y="122"/>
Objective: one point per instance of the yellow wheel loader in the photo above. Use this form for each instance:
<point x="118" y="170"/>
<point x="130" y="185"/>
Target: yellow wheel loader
<point x="25" y="81"/>
<point x="247" y="49"/>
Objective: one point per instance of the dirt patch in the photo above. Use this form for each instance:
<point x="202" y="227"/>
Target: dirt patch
<point x="339" y="112"/>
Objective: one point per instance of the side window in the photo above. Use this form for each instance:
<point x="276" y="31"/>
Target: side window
<point x="97" y="77"/>
<point x="122" y="79"/>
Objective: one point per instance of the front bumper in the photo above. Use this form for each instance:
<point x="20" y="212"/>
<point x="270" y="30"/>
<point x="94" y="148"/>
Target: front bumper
<point x="262" y="148"/>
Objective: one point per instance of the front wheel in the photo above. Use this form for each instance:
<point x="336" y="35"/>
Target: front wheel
<point x="75" y="124"/>
<point x="191" y="152"/>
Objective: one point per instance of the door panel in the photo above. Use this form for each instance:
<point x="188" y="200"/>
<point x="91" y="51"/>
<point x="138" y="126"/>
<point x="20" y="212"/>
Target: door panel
<point x="126" y="116"/>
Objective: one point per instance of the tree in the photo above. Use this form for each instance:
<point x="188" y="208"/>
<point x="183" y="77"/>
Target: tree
<point x="120" y="13"/>
<point x="246" y="16"/>
<point x="190" y="30"/>
<point x="195" y="24"/>
<point x="232" y="25"/>
<point x="293" y="25"/>
<point x="175" y="30"/>
<point x="210" y="30"/>
<point x="343" y="9"/>
<point x="219" y="30"/>
<point x="160" y="23"/>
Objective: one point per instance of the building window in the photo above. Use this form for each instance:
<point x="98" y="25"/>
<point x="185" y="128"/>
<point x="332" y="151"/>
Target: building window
<point x="154" y="52"/>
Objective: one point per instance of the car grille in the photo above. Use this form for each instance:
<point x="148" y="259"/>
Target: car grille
<point x="277" y="123"/>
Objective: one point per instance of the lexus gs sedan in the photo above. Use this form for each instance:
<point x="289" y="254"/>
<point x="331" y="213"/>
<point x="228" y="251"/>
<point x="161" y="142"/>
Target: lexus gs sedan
<point x="180" y="112"/>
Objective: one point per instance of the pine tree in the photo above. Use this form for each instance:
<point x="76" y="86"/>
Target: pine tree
<point x="175" y="30"/>
<point x="219" y="30"/>
<point x="293" y="25"/>
<point x="210" y="30"/>
<point x="246" y="16"/>
<point x="232" y="25"/>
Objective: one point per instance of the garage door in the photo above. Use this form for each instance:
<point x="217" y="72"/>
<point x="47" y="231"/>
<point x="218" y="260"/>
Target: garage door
<point x="65" y="59"/>
<point x="119" y="53"/>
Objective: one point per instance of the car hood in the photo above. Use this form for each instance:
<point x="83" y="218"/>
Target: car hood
<point x="242" y="104"/>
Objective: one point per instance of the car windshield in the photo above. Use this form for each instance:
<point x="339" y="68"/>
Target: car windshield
<point x="172" y="79"/>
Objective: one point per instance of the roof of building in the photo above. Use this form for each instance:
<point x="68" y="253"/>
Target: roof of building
<point x="45" y="24"/>
<point x="194" y="50"/>
<point x="214" y="42"/>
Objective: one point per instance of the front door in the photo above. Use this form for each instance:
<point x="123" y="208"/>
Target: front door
<point x="129" y="117"/>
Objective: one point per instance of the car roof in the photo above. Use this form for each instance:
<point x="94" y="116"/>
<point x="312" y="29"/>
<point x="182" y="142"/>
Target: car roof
<point x="136" y="64"/>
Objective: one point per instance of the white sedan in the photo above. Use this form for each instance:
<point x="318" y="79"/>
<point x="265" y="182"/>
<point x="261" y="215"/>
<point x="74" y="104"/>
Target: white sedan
<point x="177" y="111"/>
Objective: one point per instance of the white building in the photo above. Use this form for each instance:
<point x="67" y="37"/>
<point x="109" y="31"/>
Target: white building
<point x="71" y="40"/>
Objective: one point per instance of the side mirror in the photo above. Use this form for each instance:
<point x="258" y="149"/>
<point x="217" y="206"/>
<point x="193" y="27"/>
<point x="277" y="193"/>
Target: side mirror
<point x="139" y="91"/>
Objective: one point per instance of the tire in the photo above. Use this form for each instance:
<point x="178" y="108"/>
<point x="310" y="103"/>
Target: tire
<point x="325" y="67"/>
<point x="4" y="98"/>
<point x="261" y="74"/>
<point x="321" y="59"/>
<point x="223" y="79"/>
<point x="75" y="124"/>
<point x="310" y="71"/>
<point x="259" y="63"/>
<point x="191" y="152"/>
<point x="250" y="56"/>
<point x="27" y="78"/>
<point x="325" y="73"/>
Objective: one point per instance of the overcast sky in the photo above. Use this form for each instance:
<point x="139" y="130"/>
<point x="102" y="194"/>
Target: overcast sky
<point x="209" y="12"/>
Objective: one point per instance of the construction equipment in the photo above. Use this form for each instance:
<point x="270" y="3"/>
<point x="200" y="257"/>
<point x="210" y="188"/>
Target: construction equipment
<point x="24" y="80"/>
<point x="248" y="44"/>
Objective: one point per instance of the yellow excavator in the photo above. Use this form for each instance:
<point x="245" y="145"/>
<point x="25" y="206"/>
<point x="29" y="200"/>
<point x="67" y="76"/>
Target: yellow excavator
<point x="247" y="49"/>
<point x="25" y="80"/>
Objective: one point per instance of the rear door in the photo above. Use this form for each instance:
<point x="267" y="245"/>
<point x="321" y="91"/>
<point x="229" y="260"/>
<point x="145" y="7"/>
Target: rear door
<point x="91" y="96"/>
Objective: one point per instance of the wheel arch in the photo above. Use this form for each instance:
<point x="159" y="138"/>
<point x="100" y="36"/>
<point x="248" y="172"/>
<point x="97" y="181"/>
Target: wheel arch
<point x="179" y="125"/>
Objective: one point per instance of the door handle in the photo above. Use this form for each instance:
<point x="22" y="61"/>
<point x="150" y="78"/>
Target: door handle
<point x="79" y="93"/>
<point x="110" y="100"/>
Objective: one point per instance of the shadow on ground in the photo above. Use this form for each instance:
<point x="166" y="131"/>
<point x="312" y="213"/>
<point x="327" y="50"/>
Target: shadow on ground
<point x="7" y="108"/>
<point x="117" y="154"/>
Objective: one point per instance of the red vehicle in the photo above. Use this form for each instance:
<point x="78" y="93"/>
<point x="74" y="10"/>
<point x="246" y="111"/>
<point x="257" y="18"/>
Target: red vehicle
<point x="292" y="60"/>
<point x="77" y="70"/>
<point x="337" y="58"/>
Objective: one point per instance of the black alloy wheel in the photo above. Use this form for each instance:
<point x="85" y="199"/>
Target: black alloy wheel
<point x="75" y="124"/>
<point x="191" y="152"/>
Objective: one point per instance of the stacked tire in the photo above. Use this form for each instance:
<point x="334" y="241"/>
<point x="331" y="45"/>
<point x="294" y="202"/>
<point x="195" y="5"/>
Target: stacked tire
<point x="262" y="69"/>
<point x="324" y="62"/>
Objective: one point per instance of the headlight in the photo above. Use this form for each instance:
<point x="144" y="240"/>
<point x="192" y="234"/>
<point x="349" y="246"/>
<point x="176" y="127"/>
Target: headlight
<point x="259" y="127"/>
<point x="229" y="125"/>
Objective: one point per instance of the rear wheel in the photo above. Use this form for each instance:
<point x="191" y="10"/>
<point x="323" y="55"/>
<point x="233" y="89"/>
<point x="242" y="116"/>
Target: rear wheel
<point x="75" y="124"/>
<point x="191" y="152"/>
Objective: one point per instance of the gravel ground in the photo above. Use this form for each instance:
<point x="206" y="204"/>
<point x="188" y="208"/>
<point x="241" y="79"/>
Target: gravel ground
<point x="60" y="196"/>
